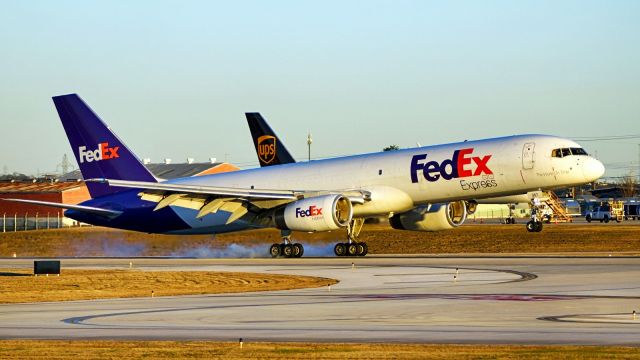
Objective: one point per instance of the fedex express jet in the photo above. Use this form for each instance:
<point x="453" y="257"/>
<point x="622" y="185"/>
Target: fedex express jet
<point x="423" y="189"/>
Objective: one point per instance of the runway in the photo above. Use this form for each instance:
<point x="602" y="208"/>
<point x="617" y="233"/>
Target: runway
<point x="507" y="300"/>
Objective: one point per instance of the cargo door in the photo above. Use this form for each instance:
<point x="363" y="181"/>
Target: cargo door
<point x="527" y="155"/>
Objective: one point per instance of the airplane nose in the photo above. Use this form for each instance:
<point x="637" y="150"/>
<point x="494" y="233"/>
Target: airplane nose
<point x="592" y="169"/>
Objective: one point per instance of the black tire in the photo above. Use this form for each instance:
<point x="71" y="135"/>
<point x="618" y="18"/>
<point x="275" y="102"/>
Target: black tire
<point x="287" y="250"/>
<point x="538" y="226"/>
<point x="363" y="249"/>
<point x="298" y="250"/>
<point x="588" y="218"/>
<point x="274" y="250"/>
<point x="507" y="221"/>
<point x="531" y="226"/>
<point x="513" y="220"/>
<point x="606" y="219"/>
<point x="547" y="219"/>
<point x="352" y="249"/>
<point x="340" y="249"/>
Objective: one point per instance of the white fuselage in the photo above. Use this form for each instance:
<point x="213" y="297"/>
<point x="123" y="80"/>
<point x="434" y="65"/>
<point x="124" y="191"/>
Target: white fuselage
<point x="400" y="180"/>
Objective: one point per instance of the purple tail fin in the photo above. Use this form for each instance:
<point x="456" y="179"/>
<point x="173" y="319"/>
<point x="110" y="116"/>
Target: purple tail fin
<point x="99" y="152"/>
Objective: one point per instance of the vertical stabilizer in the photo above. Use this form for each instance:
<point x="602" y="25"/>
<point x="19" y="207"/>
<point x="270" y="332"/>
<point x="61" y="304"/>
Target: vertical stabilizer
<point x="269" y="148"/>
<point x="98" y="151"/>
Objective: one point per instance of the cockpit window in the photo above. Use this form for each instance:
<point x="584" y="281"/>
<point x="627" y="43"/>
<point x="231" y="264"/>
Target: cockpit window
<point x="578" y="151"/>
<point x="567" y="152"/>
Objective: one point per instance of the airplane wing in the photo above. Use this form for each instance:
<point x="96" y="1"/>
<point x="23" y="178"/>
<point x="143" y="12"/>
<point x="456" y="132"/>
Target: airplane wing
<point x="248" y="194"/>
<point x="210" y="199"/>
<point x="88" y="209"/>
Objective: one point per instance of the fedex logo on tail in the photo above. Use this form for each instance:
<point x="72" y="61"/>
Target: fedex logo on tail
<point x="311" y="211"/>
<point x="103" y="152"/>
<point x="459" y="166"/>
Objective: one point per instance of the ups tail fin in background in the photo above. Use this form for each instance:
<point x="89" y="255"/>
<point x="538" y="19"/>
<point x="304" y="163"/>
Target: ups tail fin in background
<point x="99" y="152"/>
<point x="269" y="148"/>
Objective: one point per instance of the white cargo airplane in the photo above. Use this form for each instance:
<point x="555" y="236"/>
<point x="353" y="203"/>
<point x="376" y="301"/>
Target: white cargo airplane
<point x="424" y="189"/>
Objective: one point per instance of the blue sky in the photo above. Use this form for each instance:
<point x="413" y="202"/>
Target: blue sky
<point x="174" y="78"/>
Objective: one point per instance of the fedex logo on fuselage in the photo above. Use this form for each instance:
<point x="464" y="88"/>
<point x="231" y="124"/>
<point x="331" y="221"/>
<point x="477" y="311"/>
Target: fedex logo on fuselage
<point x="103" y="152"/>
<point x="459" y="166"/>
<point x="311" y="211"/>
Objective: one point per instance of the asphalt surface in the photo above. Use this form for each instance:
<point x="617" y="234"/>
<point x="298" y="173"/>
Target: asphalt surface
<point x="546" y="300"/>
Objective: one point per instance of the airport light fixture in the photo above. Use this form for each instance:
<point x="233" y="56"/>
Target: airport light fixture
<point x="309" y="141"/>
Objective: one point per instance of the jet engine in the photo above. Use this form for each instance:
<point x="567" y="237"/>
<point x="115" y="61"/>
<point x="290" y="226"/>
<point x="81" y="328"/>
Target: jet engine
<point x="431" y="217"/>
<point x="472" y="206"/>
<point x="320" y="213"/>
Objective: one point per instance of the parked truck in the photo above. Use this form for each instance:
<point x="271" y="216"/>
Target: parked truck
<point x="612" y="210"/>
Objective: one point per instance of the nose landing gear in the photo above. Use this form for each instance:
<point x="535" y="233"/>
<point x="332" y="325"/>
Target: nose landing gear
<point x="352" y="247"/>
<point x="534" y="225"/>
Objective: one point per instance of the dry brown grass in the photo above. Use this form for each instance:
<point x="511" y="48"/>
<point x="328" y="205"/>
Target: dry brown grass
<point x="18" y="285"/>
<point x="380" y="238"/>
<point x="555" y="238"/>
<point x="104" y="349"/>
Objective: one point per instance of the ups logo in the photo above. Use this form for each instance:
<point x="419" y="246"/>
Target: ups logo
<point x="266" y="149"/>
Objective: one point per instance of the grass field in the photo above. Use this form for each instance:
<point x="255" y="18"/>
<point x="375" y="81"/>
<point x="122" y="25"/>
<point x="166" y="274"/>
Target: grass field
<point x="17" y="285"/>
<point x="51" y="349"/>
<point x="95" y="241"/>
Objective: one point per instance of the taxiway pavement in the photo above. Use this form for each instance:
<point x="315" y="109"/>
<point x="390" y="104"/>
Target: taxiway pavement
<point x="520" y="300"/>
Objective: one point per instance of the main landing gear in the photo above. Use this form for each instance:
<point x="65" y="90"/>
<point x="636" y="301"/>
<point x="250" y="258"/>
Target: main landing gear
<point x="352" y="247"/>
<point x="286" y="248"/>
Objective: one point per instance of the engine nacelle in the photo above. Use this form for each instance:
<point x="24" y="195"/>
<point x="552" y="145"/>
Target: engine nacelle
<point x="431" y="217"/>
<point x="320" y="213"/>
<point x="472" y="206"/>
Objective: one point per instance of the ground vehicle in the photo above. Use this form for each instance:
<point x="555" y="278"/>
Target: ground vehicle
<point x="602" y="213"/>
<point x="632" y="211"/>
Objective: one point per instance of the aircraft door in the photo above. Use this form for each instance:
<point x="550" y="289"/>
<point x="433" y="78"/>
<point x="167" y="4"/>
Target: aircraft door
<point x="527" y="155"/>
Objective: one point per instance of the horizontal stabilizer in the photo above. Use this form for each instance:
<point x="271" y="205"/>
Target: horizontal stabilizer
<point x="88" y="209"/>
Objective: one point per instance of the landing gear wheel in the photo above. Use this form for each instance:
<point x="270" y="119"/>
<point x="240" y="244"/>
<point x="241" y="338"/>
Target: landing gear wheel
<point x="287" y="250"/>
<point x="298" y="250"/>
<point x="274" y="250"/>
<point x="538" y="226"/>
<point x="352" y="249"/>
<point x="531" y="226"/>
<point x="362" y="249"/>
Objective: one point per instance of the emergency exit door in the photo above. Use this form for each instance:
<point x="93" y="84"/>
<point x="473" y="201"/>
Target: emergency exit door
<point x="527" y="155"/>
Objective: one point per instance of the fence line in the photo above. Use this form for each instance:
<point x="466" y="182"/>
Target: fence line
<point x="22" y="222"/>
